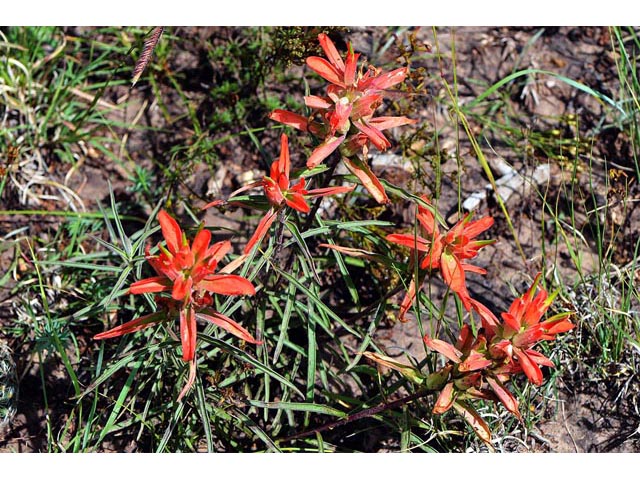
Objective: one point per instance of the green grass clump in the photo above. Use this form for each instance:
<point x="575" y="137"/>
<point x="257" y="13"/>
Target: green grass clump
<point x="8" y="386"/>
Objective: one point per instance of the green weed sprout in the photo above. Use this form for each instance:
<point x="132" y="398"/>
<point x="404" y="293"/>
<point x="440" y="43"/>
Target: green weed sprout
<point x="8" y="386"/>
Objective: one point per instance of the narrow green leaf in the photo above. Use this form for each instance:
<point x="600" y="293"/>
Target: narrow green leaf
<point x="124" y="239"/>
<point x="245" y="357"/>
<point x="346" y="275"/>
<point x="201" y="406"/>
<point x="119" y="402"/>
<point x="258" y="145"/>
<point x="312" y="350"/>
<point x="303" y="248"/>
<point x="123" y="362"/>
<point x="284" y="320"/>
<point x="530" y="71"/>
<point x="367" y="338"/>
<point x="318" y="303"/>
<point x="251" y="425"/>
<point x="299" y="407"/>
<point x="175" y="419"/>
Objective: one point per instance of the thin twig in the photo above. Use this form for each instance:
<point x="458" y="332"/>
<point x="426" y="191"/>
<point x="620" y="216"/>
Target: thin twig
<point x="566" y="426"/>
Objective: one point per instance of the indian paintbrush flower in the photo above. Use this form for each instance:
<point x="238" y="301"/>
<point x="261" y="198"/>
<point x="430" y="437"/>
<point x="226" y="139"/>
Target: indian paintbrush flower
<point x="344" y="117"/>
<point x="188" y="273"/>
<point x="522" y="329"/>
<point x="280" y="193"/>
<point x="447" y="252"/>
<point x="471" y="372"/>
<point x="481" y="362"/>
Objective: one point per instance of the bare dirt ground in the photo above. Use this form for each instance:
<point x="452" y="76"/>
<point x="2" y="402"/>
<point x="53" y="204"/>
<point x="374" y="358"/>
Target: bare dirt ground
<point x="588" y="417"/>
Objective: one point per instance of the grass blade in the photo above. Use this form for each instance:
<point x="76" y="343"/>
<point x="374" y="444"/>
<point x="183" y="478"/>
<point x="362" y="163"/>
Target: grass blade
<point x="299" y="407"/>
<point x="245" y="357"/>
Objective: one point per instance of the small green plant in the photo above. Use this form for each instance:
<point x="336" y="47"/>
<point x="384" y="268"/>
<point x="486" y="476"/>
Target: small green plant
<point x="8" y="386"/>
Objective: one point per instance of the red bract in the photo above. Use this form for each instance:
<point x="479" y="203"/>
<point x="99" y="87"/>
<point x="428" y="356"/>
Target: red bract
<point x="334" y="69"/>
<point x="188" y="272"/>
<point x="347" y="81"/>
<point x="522" y="330"/>
<point x="333" y="128"/>
<point x="279" y="191"/>
<point x="344" y="118"/>
<point x="473" y="374"/>
<point x="447" y="252"/>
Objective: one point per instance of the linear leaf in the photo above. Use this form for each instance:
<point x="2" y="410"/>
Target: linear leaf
<point x="245" y="357"/>
<point x="529" y="71"/>
<point x="299" y="407"/>
<point x="316" y="301"/>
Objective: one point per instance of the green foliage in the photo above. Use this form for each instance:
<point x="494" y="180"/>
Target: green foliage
<point x="292" y="45"/>
<point x="53" y="86"/>
<point x="8" y="386"/>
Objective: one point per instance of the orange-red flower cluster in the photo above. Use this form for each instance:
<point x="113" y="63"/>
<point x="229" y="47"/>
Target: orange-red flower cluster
<point x="344" y="117"/>
<point x="447" y="252"/>
<point x="280" y="193"/>
<point x="480" y="364"/>
<point x="188" y="273"/>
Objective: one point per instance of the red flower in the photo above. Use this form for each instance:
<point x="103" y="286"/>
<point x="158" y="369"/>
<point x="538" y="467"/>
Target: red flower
<point x="187" y="270"/>
<point x="353" y="96"/>
<point x="447" y="252"/>
<point x="344" y="74"/>
<point x="480" y="364"/>
<point x="522" y="330"/>
<point x="351" y="101"/>
<point x="279" y="191"/>
<point x="473" y="374"/>
<point x="188" y="273"/>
